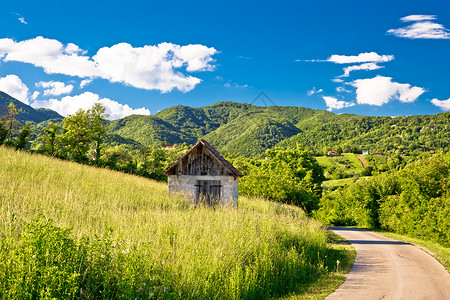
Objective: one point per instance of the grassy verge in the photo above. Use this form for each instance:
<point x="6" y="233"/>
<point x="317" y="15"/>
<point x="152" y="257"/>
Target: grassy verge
<point x="441" y="253"/>
<point x="73" y="231"/>
<point x="344" y="255"/>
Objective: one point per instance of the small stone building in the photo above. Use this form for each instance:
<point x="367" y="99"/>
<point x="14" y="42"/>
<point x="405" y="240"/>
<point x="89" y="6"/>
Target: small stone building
<point x="205" y="175"/>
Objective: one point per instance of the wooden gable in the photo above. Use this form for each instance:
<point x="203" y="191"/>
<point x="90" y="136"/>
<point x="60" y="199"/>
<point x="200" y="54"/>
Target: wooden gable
<point x="202" y="160"/>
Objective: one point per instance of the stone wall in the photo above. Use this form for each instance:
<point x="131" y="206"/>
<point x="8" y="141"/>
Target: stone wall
<point x="186" y="183"/>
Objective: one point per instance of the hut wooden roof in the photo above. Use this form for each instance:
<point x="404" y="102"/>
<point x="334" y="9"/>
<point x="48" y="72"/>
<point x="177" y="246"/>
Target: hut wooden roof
<point x="226" y="164"/>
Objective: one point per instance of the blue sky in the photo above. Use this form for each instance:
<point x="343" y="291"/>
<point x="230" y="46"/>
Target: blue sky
<point x="372" y="58"/>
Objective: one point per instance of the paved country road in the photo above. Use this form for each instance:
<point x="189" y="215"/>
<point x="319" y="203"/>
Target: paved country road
<point x="388" y="269"/>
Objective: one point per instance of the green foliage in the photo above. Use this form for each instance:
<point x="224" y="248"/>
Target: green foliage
<point x="52" y="134"/>
<point x="80" y="131"/>
<point x="77" y="136"/>
<point x="22" y="139"/>
<point x="413" y="201"/>
<point x="96" y="123"/>
<point x="286" y="175"/>
<point x="129" y="240"/>
<point x="9" y="124"/>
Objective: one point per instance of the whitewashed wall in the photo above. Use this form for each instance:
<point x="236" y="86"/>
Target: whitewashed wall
<point x="186" y="183"/>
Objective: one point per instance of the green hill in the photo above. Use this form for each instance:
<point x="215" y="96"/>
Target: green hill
<point x="237" y="128"/>
<point x="245" y="129"/>
<point x="127" y="239"/>
<point x="28" y="113"/>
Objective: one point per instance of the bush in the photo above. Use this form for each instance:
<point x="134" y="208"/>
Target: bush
<point x="413" y="201"/>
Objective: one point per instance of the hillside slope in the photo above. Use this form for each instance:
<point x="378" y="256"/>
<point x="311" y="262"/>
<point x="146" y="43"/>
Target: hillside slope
<point x="129" y="240"/>
<point x="28" y="113"/>
<point x="245" y="129"/>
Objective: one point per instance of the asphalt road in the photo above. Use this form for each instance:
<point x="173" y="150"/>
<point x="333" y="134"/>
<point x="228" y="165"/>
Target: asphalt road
<point x="388" y="269"/>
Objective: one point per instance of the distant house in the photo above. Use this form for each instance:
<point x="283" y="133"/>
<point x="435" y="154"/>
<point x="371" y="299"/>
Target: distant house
<point x="377" y="154"/>
<point x="365" y="152"/>
<point x="404" y="153"/>
<point x="432" y="151"/>
<point x="171" y="147"/>
<point x="333" y="153"/>
<point x="205" y="175"/>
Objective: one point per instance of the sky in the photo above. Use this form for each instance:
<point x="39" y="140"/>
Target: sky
<point x="380" y="58"/>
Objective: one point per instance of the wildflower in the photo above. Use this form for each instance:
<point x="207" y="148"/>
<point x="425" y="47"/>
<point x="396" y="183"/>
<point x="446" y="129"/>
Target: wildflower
<point x="34" y="256"/>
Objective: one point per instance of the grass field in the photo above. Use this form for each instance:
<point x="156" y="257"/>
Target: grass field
<point x="74" y="231"/>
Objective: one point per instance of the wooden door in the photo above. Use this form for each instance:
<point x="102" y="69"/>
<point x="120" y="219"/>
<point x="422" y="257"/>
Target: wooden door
<point x="208" y="192"/>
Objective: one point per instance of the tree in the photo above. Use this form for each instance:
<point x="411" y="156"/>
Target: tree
<point x="22" y="140"/>
<point x="97" y="116"/>
<point x="77" y="135"/>
<point x="7" y="123"/>
<point x="286" y="175"/>
<point x="51" y="133"/>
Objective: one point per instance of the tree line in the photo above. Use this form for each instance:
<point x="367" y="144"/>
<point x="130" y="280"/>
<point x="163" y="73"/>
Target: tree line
<point x="81" y="137"/>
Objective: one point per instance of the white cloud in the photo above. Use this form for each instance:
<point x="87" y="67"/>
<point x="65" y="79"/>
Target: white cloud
<point x="235" y="85"/>
<point x="360" y="58"/>
<point x="443" y="104"/>
<point x="365" y="67"/>
<point x="415" y="18"/>
<point x="333" y="103"/>
<point x="71" y="104"/>
<point x="20" y="18"/>
<point x="422" y="28"/>
<point x="13" y="86"/>
<point x="85" y="82"/>
<point x="149" y="67"/>
<point x="380" y="90"/>
<point x="341" y="89"/>
<point x="313" y="91"/>
<point x="337" y="80"/>
<point x="35" y="95"/>
<point x="55" y="88"/>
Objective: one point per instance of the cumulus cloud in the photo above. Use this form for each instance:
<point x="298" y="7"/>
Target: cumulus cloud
<point x="422" y="28"/>
<point x="360" y="58"/>
<point x="313" y="91"/>
<point x="85" y="82"/>
<point x="150" y="67"/>
<point x="55" y="88"/>
<point x="365" y="67"/>
<point x="443" y="104"/>
<point x="380" y="90"/>
<point x="13" y="86"/>
<point x="35" y="95"/>
<point x="333" y="103"/>
<point x="71" y="104"/>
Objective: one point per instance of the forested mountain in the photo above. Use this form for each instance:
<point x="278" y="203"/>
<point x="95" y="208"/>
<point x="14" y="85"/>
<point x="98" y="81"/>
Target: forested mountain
<point x="239" y="128"/>
<point x="28" y="113"/>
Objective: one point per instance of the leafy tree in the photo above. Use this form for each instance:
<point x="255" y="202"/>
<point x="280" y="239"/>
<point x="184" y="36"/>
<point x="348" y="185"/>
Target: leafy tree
<point x="22" y="139"/>
<point x="77" y="135"/>
<point x="8" y="122"/>
<point x="97" y="116"/>
<point x="285" y="175"/>
<point x="51" y="133"/>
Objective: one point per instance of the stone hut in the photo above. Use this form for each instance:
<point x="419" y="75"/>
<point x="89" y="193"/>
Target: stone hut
<point x="205" y="175"/>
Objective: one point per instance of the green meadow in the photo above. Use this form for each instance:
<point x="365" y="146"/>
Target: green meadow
<point x="74" y="231"/>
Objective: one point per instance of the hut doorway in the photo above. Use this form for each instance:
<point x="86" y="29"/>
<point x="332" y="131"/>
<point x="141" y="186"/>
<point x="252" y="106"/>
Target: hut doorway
<point x="208" y="192"/>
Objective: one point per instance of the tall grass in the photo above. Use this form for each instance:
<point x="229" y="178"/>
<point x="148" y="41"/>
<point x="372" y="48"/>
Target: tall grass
<point x="69" y="230"/>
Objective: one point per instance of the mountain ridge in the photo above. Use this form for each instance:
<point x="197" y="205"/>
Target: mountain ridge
<point x="245" y="129"/>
